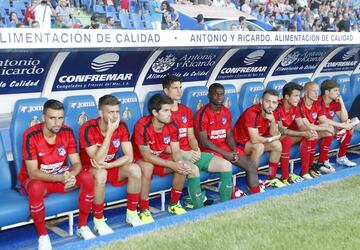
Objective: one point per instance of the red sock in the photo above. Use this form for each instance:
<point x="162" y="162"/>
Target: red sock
<point x="305" y="146"/>
<point x="345" y="143"/>
<point x="312" y="152"/>
<point x="132" y="201"/>
<point x="144" y="204"/>
<point x="324" y="148"/>
<point x="98" y="210"/>
<point x="175" y="195"/>
<point x="272" y="169"/>
<point x="35" y="190"/>
<point x="254" y="190"/>
<point x="85" y="181"/>
<point x="285" y="157"/>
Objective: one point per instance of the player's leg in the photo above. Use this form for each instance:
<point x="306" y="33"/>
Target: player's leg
<point x="194" y="185"/>
<point x="255" y="150"/>
<point x="274" y="148"/>
<point x="215" y="164"/>
<point x="85" y="181"/>
<point x="305" y="147"/>
<point x="132" y="173"/>
<point x="285" y="158"/>
<point x="178" y="181"/>
<point x="344" y="144"/>
<point x="146" y="175"/>
<point x="323" y="164"/>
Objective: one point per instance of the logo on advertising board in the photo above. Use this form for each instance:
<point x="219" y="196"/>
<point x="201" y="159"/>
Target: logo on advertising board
<point x="190" y="65"/>
<point x="93" y="70"/>
<point x="345" y="60"/>
<point x="249" y="63"/>
<point x="301" y="60"/>
<point x="22" y="72"/>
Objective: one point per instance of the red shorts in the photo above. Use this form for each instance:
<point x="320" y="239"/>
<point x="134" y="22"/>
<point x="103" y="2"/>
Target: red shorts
<point x="51" y="187"/>
<point x="240" y="150"/>
<point x="159" y="170"/>
<point x="112" y="177"/>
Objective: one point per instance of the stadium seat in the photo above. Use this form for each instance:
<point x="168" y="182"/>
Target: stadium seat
<point x="147" y="98"/>
<point x="231" y="102"/>
<point x="110" y="9"/>
<point x="78" y="110"/>
<point x="129" y="108"/>
<point x="14" y="209"/>
<point x="125" y="21"/>
<point x="195" y="97"/>
<point x="301" y="81"/>
<point x="319" y="80"/>
<point x="146" y="17"/>
<point x="114" y="16"/>
<point x="137" y="22"/>
<point x="27" y="112"/>
<point x="345" y="89"/>
<point x="99" y="10"/>
<point x="250" y="94"/>
<point x="277" y="85"/>
<point x="148" y="25"/>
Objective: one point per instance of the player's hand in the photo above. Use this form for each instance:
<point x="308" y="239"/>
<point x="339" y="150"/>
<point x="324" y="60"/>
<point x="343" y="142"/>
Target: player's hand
<point x="112" y="126"/>
<point x="348" y="125"/>
<point x="229" y="156"/>
<point x="69" y="180"/>
<point x="182" y="168"/>
<point x="195" y="155"/>
<point x="307" y="134"/>
<point x="99" y="165"/>
<point x="330" y="129"/>
<point x="270" y="117"/>
<point x="314" y="135"/>
<point x="276" y="137"/>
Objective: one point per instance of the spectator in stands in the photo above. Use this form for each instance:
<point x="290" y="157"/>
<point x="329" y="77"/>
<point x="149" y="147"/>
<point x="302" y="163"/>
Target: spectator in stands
<point x="59" y="24"/>
<point x="106" y="2"/>
<point x="215" y="135"/>
<point x="43" y="11"/>
<point x="155" y="13"/>
<point x="143" y="6"/>
<point x="167" y="24"/>
<point x="109" y="23"/>
<point x="297" y="19"/>
<point x="271" y="21"/>
<point x="230" y="4"/>
<point x="46" y="148"/>
<point x="13" y="20"/>
<point x="20" y="25"/>
<point x="76" y="4"/>
<point x="90" y="6"/>
<point x="344" y="24"/>
<point x="242" y="24"/>
<point x="256" y="131"/>
<point x="2" y="25"/>
<point x="168" y="10"/>
<point x="234" y="27"/>
<point x="100" y="141"/>
<point x="316" y="27"/>
<point x="156" y="151"/>
<point x="200" y="25"/>
<point x="326" y="26"/>
<point x="245" y="6"/>
<point x="64" y="11"/>
<point x="125" y="5"/>
<point x="29" y="14"/>
<point x="94" y="23"/>
<point x="218" y="3"/>
<point x="35" y="24"/>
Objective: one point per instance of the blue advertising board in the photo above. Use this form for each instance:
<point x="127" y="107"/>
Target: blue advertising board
<point x="345" y="60"/>
<point x="302" y="60"/>
<point x="94" y="70"/>
<point x="23" y="72"/>
<point x="249" y="63"/>
<point x="190" y="65"/>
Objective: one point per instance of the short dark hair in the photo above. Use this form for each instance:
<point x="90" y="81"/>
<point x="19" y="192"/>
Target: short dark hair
<point x="328" y="85"/>
<point x="109" y="18"/>
<point x="53" y="104"/>
<point x="290" y="87"/>
<point x="270" y="92"/>
<point x="108" y="100"/>
<point x="170" y="79"/>
<point x="199" y="18"/>
<point x="242" y="18"/>
<point x="156" y="102"/>
<point x="215" y="86"/>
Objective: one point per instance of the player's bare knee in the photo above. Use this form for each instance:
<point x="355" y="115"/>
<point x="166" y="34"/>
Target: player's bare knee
<point x="227" y="166"/>
<point x="258" y="148"/>
<point x="147" y="171"/>
<point x="100" y="176"/>
<point x="135" y="172"/>
<point x="276" y="146"/>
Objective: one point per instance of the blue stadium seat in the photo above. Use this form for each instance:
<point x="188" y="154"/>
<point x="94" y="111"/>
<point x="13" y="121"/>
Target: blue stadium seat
<point x="129" y="108"/>
<point x="99" y="10"/>
<point x="78" y="110"/>
<point x="195" y="97"/>
<point x="277" y="85"/>
<point x="147" y="98"/>
<point x="146" y="17"/>
<point x="14" y="209"/>
<point x="319" y="80"/>
<point x="110" y="8"/>
<point x="355" y="85"/>
<point x="114" y="16"/>
<point x="125" y="21"/>
<point x="148" y="25"/>
<point x="301" y="81"/>
<point x="250" y="94"/>
<point x="231" y="102"/>
<point x="137" y="22"/>
<point x="345" y="89"/>
<point x="27" y="112"/>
